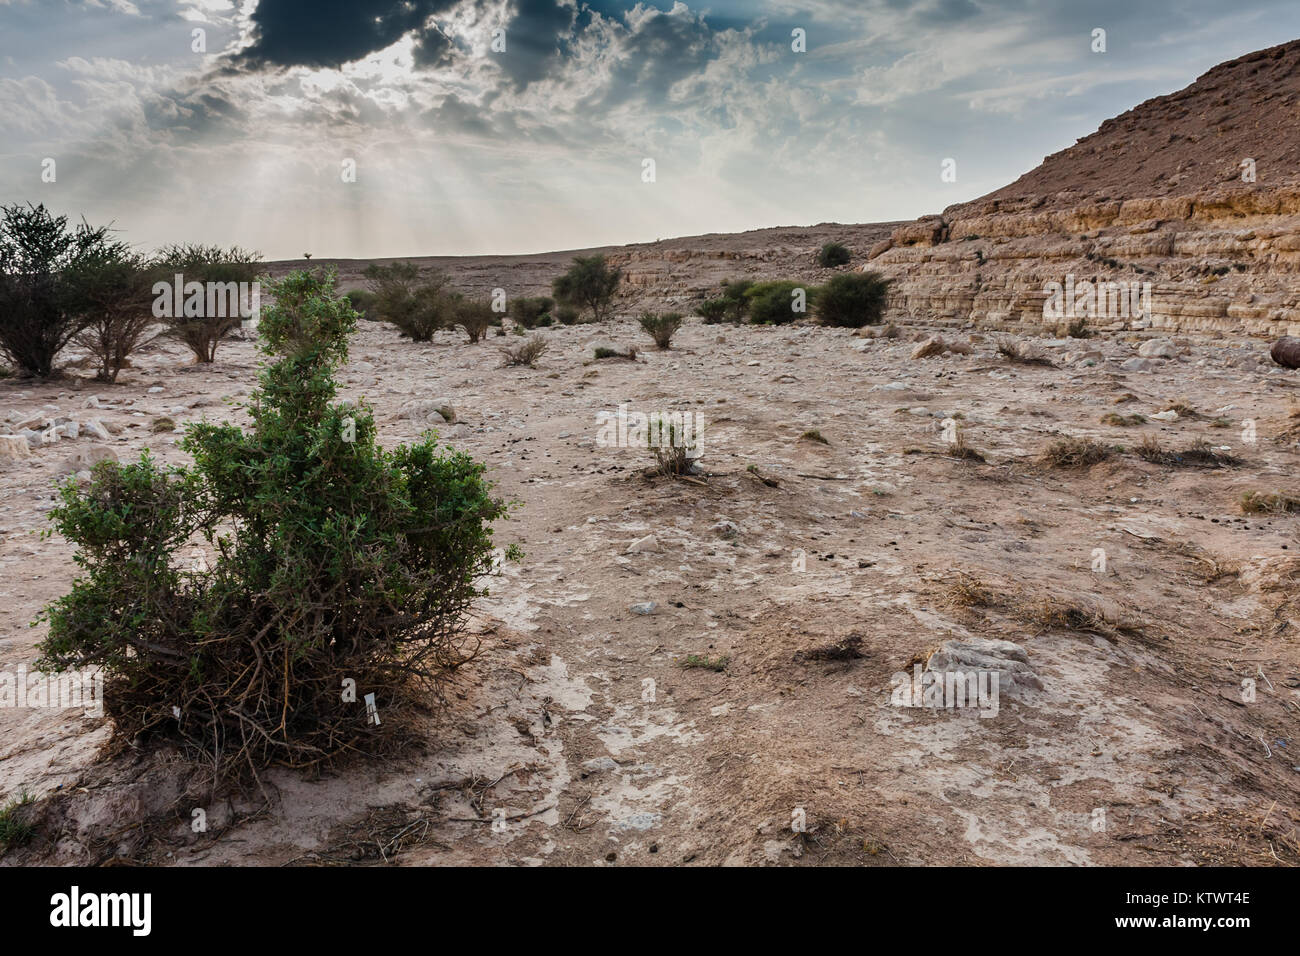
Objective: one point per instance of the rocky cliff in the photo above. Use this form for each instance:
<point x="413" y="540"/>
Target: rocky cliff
<point x="1192" y="199"/>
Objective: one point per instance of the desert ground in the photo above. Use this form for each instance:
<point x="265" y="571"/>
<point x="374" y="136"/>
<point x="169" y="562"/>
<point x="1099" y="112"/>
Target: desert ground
<point x="578" y="736"/>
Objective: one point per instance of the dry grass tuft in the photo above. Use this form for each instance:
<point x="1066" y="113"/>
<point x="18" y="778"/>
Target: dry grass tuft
<point x="1200" y="454"/>
<point x="525" y="353"/>
<point x="1258" y="503"/>
<point x="1074" y="453"/>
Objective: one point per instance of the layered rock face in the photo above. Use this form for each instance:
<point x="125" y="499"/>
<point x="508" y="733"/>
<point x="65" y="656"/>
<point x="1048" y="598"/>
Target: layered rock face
<point x="1190" y="201"/>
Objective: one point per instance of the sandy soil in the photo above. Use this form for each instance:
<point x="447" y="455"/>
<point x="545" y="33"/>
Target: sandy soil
<point x="552" y="734"/>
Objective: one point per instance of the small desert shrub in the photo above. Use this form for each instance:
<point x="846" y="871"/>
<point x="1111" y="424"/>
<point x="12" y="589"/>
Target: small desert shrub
<point x="418" y="303"/>
<point x="1074" y="453"/>
<point x="474" y="318"/>
<point x="776" y="303"/>
<point x="1255" y="503"/>
<point x="216" y="268"/>
<point x="162" y="424"/>
<point x="526" y="352"/>
<point x="712" y="311"/>
<point x="1078" y="329"/>
<point x="566" y="315"/>
<point x="957" y="448"/>
<point x="833" y="254"/>
<point x="589" y="284"/>
<point x="661" y="327"/>
<point x="15" y="828"/>
<point x="529" y="312"/>
<point x="342" y="569"/>
<point x="814" y="435"/>
<point x="674" y="443"/>
<point x="735" y="296"/>
<point x="853" y="300"/>
<point x="363" y="302"/>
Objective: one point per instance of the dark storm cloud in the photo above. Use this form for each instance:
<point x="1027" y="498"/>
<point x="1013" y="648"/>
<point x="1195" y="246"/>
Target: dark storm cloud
<point x="537" y="34"/>
<point x="329" y="33"/>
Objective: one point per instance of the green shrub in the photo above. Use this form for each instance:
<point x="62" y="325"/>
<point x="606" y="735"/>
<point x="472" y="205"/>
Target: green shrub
<point x="776" y="303"/>
<point x="567" y="315"/>
<point x="853" y="299"/>
<point x="833" y="254"/>
<point x="15" y="828"/>
<point x="712" y="311"/>
<point x="363" y="303"/>
<point x="113" y="291"/>
<point x="736" y="294"/>
<point x="202" y="332"/>
<point x="341" y="569"/>
<point x="589" y="284"/>
<point x="474" y="318"/>
<point x="529" y="312"/>
<point x="39" y="314"/>
<point x="417" y="302"/>
<point x="661" y="327"/>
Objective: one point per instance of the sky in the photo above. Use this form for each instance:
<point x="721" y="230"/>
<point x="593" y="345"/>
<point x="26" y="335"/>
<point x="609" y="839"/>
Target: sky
<point x="376" y="128"/>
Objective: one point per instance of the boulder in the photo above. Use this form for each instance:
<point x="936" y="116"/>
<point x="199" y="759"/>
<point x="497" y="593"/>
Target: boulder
<point x="1286" y="352"/>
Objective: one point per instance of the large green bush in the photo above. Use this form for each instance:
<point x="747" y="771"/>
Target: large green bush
<point x="528" y="312"/>
<point x="833" y="254"/>
<point x="40" y="312"/>
<point x="337" y="569"/>
<point x="853" y="299"/>
<point x="418" y="302"/>
<point x="776" y="303"/>
<point x="215" y="268"/>
<point x="589" y="284"/>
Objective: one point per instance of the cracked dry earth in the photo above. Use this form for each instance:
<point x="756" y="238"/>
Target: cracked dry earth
<point x="1137" y="749"/>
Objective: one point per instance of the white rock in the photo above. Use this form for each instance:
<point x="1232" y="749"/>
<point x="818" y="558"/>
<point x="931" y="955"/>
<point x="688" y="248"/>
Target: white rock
<point x="647" y="545"/>
<point x="13" y="447"/>
<point x="95" y="428"/>
<point x="1158" y="348"/>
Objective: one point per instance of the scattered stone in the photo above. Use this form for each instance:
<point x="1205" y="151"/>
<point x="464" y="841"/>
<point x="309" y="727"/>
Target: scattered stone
<point x="647" y="607"/>
<point x="429" y="411"/>
<point x="647" y="545"/>
<point x="1010" y="660"/>
<point x="1136" y="365"/>
<point x="95" y="428"/>
<point x="13" y="447"/>
<point x="1158" y="348"/>
<point x="934" y="345"/>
